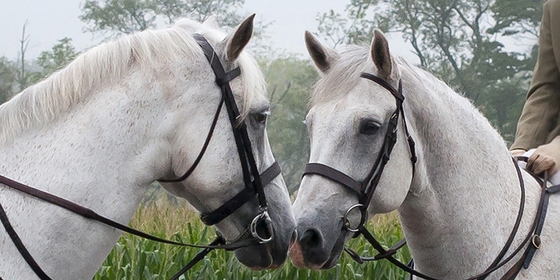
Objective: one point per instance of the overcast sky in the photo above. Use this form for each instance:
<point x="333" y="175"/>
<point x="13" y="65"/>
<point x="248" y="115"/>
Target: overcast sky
<point x="49" y="21"/>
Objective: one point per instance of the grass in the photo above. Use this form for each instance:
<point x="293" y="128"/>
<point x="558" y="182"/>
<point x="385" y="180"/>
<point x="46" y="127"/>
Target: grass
<point x="137" y="258"/>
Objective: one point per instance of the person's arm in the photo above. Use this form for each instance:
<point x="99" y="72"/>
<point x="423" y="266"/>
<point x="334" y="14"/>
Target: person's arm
<point x="542" y="107"/>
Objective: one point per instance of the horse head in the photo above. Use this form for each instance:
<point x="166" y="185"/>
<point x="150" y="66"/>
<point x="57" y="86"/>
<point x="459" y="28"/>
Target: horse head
<point x="352" y="122"/>
<point x="233" y="151"/>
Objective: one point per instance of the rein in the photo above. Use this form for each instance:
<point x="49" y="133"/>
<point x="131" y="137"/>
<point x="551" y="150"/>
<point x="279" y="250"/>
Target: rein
<point x="365" y="189"/>
<point x="254" y="185"/>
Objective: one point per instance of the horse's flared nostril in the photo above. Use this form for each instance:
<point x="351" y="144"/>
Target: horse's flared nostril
<point x="309" y="250"/>
<point x="311" y="238"/>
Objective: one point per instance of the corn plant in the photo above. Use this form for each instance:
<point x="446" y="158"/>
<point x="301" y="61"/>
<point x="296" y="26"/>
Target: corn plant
<point x="137" y="258"/>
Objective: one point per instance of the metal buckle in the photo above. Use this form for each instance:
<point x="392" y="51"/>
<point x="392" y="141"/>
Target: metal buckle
<point x="536" y="240"/>
<point x="263" y="216"/>
<point x="346" y="221"/>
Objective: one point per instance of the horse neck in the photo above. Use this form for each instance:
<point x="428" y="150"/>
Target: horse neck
<point x="101" y="154"/>
<point x="464" y="176"/>
<point x="106" y="137"/>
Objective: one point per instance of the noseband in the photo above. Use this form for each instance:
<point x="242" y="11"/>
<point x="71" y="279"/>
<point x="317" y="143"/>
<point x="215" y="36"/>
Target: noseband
<point x="254" y="184"/>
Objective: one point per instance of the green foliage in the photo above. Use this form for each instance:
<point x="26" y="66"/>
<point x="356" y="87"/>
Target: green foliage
<point x="333" y="27"/>
<point x="462" y="42"/>
<point x="516" y="16"/>
<point x="59" y="56"/>
<point x="113" y="18"/>
<point x="116" y="17"/>
<point x="136" y="258"/>
<point x="7" y="73"/>
<point x="289" y="84"/>
<point x="22" y="73"/>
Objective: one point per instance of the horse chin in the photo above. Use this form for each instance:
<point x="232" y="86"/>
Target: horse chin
<point x="331" y="262"/>
<point x="299" y="259"/>
<point x="261" y="257"/>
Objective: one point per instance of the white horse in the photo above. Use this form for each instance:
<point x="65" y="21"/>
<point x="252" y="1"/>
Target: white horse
<point x="457" y="205"/>
<point x="119" y="117"/>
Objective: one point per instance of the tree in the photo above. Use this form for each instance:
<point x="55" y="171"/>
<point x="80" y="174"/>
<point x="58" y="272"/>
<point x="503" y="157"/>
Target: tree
<point x="117" y="17"/>
<point x="289" y="83"/>
<point x="22" y="75"/>
<point x="113" y="18"/>
<point x="7" y="73"/>
<point x="18" y="75"/>
<point x="59" y="56"/>
<point x="461" y="42"/>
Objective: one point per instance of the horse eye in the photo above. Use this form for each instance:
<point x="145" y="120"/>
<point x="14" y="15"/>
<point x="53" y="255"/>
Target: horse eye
<point x="261" y="117"/>
<point x="369" y="127"/>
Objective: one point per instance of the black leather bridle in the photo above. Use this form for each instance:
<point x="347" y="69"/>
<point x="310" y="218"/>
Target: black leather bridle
<point x="254" y="181"/>
<point x="366" y="188"/>
<point x="254" y="184"/>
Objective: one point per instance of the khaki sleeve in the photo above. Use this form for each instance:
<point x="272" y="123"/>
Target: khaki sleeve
<point x="539" y="116"/>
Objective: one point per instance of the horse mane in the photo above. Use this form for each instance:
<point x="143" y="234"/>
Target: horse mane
<point x="107" y="64"/>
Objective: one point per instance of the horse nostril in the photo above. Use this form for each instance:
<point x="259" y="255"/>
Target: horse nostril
<point x="311" y="238"/>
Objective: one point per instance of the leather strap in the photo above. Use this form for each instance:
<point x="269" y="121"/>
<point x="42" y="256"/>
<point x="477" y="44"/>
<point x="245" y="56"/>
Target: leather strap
<point x="517" y="223"/>
<point x="197" y="258"/>
<point x="382" y="255"/>
<point x="535" y="239"/>
<point x="525" y="260"/>
<point x="228" y="77"/>
<point x="396" y="93"/>
<point x="334" y="175"/>
<point x="241" y="198"/>
<point x="367" y="235"/>
<point x="202" y="151"/>
<point x="21" y="248"/>
<point x="240" y="132"/>
<point x="90" y="214"/>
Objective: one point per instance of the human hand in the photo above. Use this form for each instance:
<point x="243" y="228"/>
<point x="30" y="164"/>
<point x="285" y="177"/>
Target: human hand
<point x="546" y="158"/>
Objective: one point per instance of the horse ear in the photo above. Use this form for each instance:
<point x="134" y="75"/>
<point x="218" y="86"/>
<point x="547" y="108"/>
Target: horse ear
<point x="322" y="56"/>
<point x="236" y="43"/>
<point x="380" y="54"/>
<point x="211" y="22"/>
